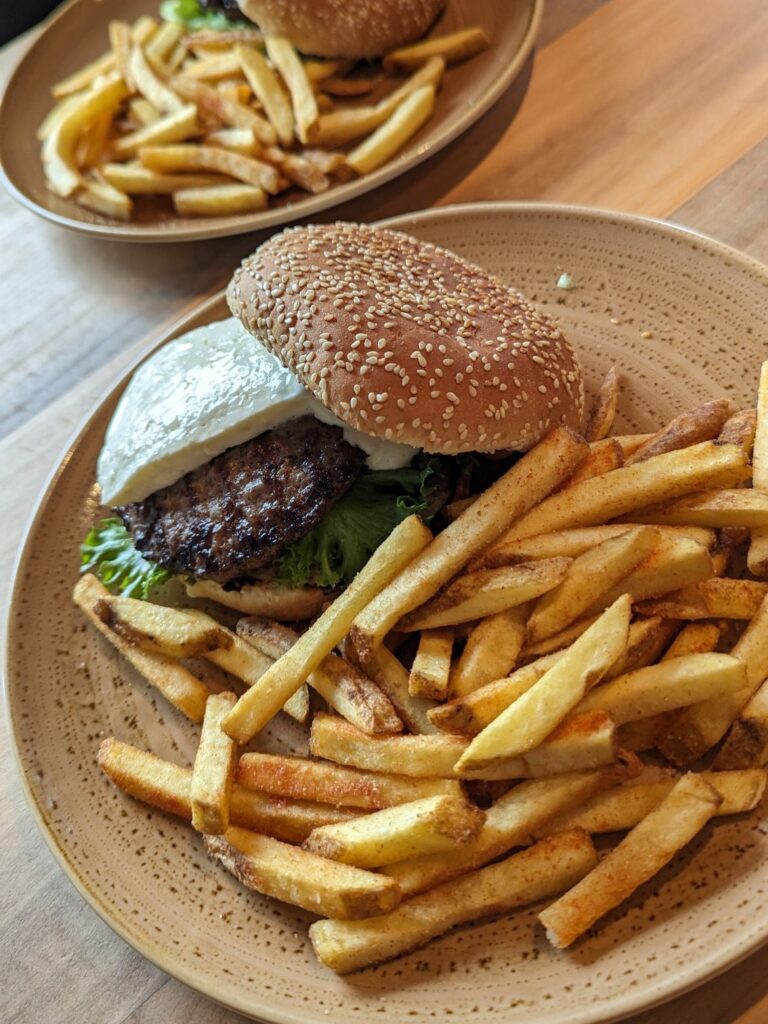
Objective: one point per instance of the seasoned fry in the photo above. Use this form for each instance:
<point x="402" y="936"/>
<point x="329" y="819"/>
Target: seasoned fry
<point x="487" y="592"/>
<point x="269" y="92"/>
<point x="545" y="869"/>
<point x="176" y="632"/>
<point x="603" y="411"/>
<point x="134" y="179"/>
<point x="690" y="428"/>
<point x="615" y="494"/>
<point x="430" y="73"/>
<point x="527" y="722"/>
<point x="176" y="683"/>
<point x="281" y="603"/>
<point x="174" y="127"/>
<point x="589" y="576"/>
<point x="746" y="745"/>
<point x="295" y="876"/>
<point x="645" y="850"/>
<point x="432" y="665"/>
<point x="452" y="48"/>
<point x="434" y="824"/>
<point x="607" y="457"/>
<point x="168" y="786"/>
<point x="757" y="557"/>
<point x="285" y="59"/>
<point x="712" y="599"/>
<point x="742" y="507"/>
<point x="740" y="429"/>
<point x="676" y="683"/>
<point x="239" y="140"/>
<point x="392" y="677"/>
<point x="256" y="707"/>
<point x="393" y="134"/>
<point x="219" y="200"/>
<point x="227" y="111"/>
<point x="322" y="782"/>
<point x="213" y="773"/>
<point x="214" y="68"/>
<point x="491" y="650"/>
<point x="511" y="821"/>
<point x="176" y="158"/>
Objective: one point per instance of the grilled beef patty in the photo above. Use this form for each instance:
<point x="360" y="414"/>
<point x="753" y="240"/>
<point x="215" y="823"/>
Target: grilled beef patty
<point x="236" y="513"/>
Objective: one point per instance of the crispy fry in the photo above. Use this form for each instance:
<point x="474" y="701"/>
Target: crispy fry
<point x="146" y="80"/>
<point x="174" y="127"/>
<point x="740" y="429"/>
<point x="392" y="677"/>
<point x="393" y="134"/>
<point x="168" y="786"/>
<point x="176" y="683"/>
<point x="219" y="200"/>
<point x="121" y="42"/>
<point x="159" y="47"/>
<point x="303" y="879"/>
<point x="104" y="199"/>
<point x="141" y="110"/>
<point x="261" y="702"/>
<point x="282" y="603"/>
<point x="176" y="632"/>
<point x="689" y="428"/>
<point x="239" y="140"/>
<point x="287" y="62"/>
<point x="600" y="460"/>
<point x="757" y="557"/>
<point x="176" y="158"/>
<point x="644" y="852"/>
<point x="711" y="599"/>
<point x="217" y="39"/>
<point x="134" y="179"/>
<point x="430" y="73"/>
<point x="85" y="77"/>
<point x="746" y="745"/>
<point x="452" y="48"/>
<point x="432" y="665"/>
<point x="317" y="71"/>
<point x="487" y="592"/>
<point x="342" y="126"/>
<point x="603" y="411"/>
<point x="225" y="110"/>
<point x="587" y="578"/>
<point x="491" y="650"/>
<point x="545" y="869"/>
<point x="742" y="507"/>
<point x="527" y="722"/>
<point x="214" y="68"/>
<point x="434" y="824"/>
<point x="269" y="92"/>
<point x="214" y="770"/>
<point x="56" y="114"/>
<point x="322" y="782"/>
<point x="304" y="173"/>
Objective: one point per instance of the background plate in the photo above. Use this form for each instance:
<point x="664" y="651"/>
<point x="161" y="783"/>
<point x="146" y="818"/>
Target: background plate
<point x="78" y="34"/>
<point x="146" y="874"/>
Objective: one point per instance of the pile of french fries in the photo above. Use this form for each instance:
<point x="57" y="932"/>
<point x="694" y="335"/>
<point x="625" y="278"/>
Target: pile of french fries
<point x="588" y="654"/>
<point x="222" y="122"/>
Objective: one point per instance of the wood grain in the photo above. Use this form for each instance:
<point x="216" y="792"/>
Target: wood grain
<point x="653" y="106"/>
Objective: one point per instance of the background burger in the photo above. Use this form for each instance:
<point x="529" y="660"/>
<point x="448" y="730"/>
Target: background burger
<point x="363" y="373"/>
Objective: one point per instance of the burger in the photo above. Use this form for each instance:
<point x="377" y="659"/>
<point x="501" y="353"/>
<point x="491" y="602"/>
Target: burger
<point x="357" y="30"/>
<point x="362" y="376"/>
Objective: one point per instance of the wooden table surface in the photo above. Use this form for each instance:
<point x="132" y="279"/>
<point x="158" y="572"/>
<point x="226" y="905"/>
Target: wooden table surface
<point x="659" y="107"/>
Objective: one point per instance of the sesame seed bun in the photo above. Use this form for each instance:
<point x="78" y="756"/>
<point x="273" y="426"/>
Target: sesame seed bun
<point x="353" y="29"/>
<point x="407" y="341"/>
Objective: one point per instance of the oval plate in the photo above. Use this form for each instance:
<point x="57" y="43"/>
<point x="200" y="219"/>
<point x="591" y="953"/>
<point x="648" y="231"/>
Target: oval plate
<point x="147" y="875"/>
<point x="78" y="34"/>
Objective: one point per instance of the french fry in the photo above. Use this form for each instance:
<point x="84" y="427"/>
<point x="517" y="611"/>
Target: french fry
<point x="644" y="852"/>
<point x="527" y="482"/>
<point x="141" y="110"/>
<point x="56" y="114"/>
<point x="174" y="127"/>
<point x="104" y="199"/>
<point x="667" y="476"/>
<point x="348" y="87"/>
<point x="434" y="824"/>
<point x="213" y="773"/>
<point x="221" y="39"/>
<point x="697" y="729"/>
<point x="487" y="592"/>
<point x="647" y="639"/>
<point x="133" y="179"/>
<point x="285" y="59"/>
<point x="160" y="46"/>
<point x="491" y="650"/>
<point x="603" y="411"/>
<point x="452" y="48"/>
<point x="689" y="428"/>
<point x="304" y="173"/>
<point x="741" y="507"/>
<point x="296" y="876"/>
<point x="629" y="442"/>
<point x="146" y="80"/>
<point x="527" y="722"/>
<point x="85" y="77"/>
<point x="432" y="665"/>
<point x="317" y="71"/>
<point x="320" y="782"/>
<point x="326" y="161"/>
<point x="712" y="599"/>
<point x="343" y="126"/>
<point x="176" y="683"/>
<point x="621" y="808"/>
<point x="228" y="112"/>
<point x="589" y="576"/>
<point x="343" y="686"/>
<point x="604" y="459"/>
<point x="285" y="604"/>
<point x="176" y="632"/>
<point x="174" y="158"/>
<point x="392" y="678"/>
<point x="740" y="429"/>
<point x="219" y="200"/>
<point x="214" y="68"/>
<point x="393" y="134"/>
<point x="672" y="684"/>
<point x="430" y="73"/>
<point x="143" y="29"/>
<point x="256" y="707"/>
<point x="757" y="557"/>
<point x="545" y="869"/>
<point x="58" y="150"/>
<point x="93" y="141"/>
<point x="240" y="140"/>
<point x="746" y="745"/>
<point x="269" y="92"/>
<point x="509" y="822"/>
<point x="169" y="786"/>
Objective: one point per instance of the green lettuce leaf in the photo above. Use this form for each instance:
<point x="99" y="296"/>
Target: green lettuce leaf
<point x="108" y="553"/>
<point x="191" y="14"/>
<point x="342" y="542"/>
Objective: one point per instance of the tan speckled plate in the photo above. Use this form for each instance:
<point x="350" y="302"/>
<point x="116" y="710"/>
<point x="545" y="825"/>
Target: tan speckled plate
<point x="78" y="34"/>
<point x="705" y="307"/>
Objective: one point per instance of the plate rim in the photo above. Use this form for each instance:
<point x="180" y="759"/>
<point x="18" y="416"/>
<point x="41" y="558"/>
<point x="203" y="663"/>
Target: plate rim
<point x="240" y="224"/>
<point x="227" y="995"/>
